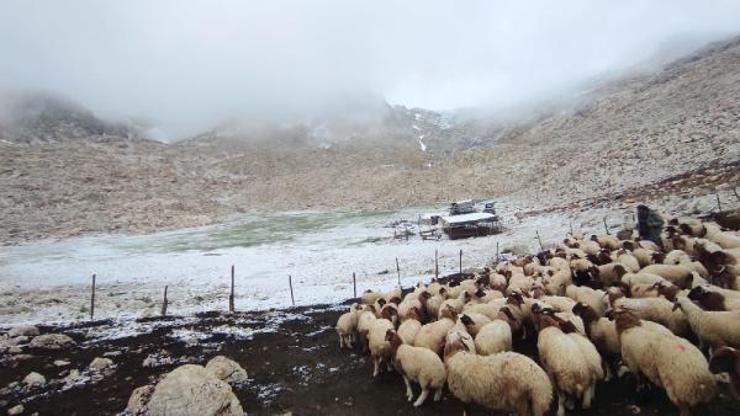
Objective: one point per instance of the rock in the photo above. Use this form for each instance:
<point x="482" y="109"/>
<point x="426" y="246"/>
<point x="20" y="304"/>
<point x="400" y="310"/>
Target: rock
<point x="16" y="410"/>
<point x="23" y="330"/>
<point x="138" y="400"/>
<point x="191" y="390"/>
<point x="101" y="363"/>
<point x="34" y="379"/>
<point x="52" y="341"/>
<point x="61" y="363"/>
<point x="226" y="369"/>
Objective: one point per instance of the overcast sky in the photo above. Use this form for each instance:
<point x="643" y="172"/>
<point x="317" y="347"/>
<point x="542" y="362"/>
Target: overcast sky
<point x="189" y="64"/>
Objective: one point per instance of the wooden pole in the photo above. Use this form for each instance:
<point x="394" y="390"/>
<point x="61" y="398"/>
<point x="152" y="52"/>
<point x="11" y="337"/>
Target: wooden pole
<point x="436" y="264"/>
<point x="231" y="295"/>
<point x="571" y="228"/>
<point x="460" y="261"/>
<point x="540" y="240"/>
<point x="164" y="302"/>
<point x="290" y="283"/>
<point x="497" y="251"/>
<point x="398" y="272"/>
<point x="606" y="227"/>
<point x="719" y="203"/>
<point x="354" y="284"/>
<point x="92" y="298"/>
<point x="734" y="191"/>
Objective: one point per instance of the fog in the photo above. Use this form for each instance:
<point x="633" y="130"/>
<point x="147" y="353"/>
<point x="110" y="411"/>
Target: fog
<point x="187" y="65"/>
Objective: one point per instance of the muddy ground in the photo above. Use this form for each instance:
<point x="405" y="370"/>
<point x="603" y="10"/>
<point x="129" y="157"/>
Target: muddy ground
<point x="292" y="358"/>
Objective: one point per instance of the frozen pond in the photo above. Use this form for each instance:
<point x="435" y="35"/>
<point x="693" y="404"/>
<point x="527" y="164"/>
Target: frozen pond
<point x="49" y="280"/>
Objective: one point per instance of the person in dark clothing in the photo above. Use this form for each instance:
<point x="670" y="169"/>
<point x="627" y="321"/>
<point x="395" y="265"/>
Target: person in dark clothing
<point x="649" y="224"/>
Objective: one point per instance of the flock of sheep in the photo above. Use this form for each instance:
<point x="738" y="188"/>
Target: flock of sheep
<point x="598" y="306"/>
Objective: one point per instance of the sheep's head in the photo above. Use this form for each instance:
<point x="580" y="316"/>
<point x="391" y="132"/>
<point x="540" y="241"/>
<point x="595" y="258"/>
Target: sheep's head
<point x="466" y="320"/>
<point x="515" y="298"/>
<point x="697" y="293"/>
<point x="396" y="300"/>
<point x="448" y="312"/>
<point x="381" y="302"/>
<point x="413" y="313"/>
<point x="623" y="319"/>
<point x="724" y="360"/>
<point x="454" y="345"/>
<point x="424" y="296"/>
<point x="507" y="315"/>
<point x="480" y="293"/>
<point x="628" y="245"/>
<point x="657" y="257"/>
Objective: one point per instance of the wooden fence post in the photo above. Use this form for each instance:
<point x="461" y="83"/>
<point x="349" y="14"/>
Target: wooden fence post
<point x="92" y="299"/>
<point x="606" y="227"/>
<point x="231" y="295"/>
<point x="354" y="284"/>
<point x="571" y="228"/>
<point x="398" y="272"/>
<point x="497" y="251"/>
<point x="290" y="283"/>
<point x="164" y="302"/>
<point x="460" y="261"/>
<point x="539" y="240"/>
<point x="719" y="203"/>
<point x="436" y="264"/>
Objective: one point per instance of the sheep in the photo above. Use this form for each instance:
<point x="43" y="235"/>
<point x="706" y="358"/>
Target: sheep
<point x="627" y="260"/>
<point x="389" y="312"/>
<point x="588" y="247"/>
<point x="370" y="297"/>
<point x="633" y="279"/>
<point x="364" y="322"/>
<point x="432" y="335"/>
<point x="667" y="361"/>
<point x="519" y="282"/>
<point x="410" y="327"/>
<point x="498" y="282"/>
<point x="559" y="263"/>
<point x="393" y="295"/>
<point x="347" y="325"/>
<point x="676" y="257"/>
<point x="609" y="273"/>
<point x="435" y="302"/>
<point x="712" y="300"/>
<point x="490" y="309"/>
<point x="646" y="257"/>
<point x="727" y="360"/>
<point x="607" y="241"/>
<point x="718" y="329"/>
<point x="379" y="347"/>
<point x="473" y="322"/>
<point x="505" y="381"/>
<point x="493" y="337"/>
<point x="559" y="303"/>
<point x="678" y="275"/>
<point x="603" y="333"/>
<point x="485" y="296"/>
<point x="657" y="310"/>
<point x="456" y="303"/>
<point x="556" y="284"/>
<point x="419" y="365"/>
<point x="723" y="239"/>
<point x="573" y="378"/>
<point x="410" y="303"/>
<point x="591" y="297"/>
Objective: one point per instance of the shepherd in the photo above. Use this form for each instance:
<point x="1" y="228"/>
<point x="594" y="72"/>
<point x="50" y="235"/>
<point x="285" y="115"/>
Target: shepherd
<point x="649" y="224"/>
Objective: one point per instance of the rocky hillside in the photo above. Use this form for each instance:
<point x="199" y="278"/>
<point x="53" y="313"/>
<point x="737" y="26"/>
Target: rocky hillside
<point x="632" y="134"/>
<point x="35" y="118"/>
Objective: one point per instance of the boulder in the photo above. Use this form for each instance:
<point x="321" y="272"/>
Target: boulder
<point x="191" y="390"/>
<point x="34" y="379"/>
<point x="99" y="364"/>
<point x="23" y="330"/>
<point x="226" y="369"/>
<point x="52" y="341"/>
<point x="138" y="400"/>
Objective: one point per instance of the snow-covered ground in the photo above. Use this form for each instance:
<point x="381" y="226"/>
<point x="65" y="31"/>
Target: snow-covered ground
<point x="49" y="281"/>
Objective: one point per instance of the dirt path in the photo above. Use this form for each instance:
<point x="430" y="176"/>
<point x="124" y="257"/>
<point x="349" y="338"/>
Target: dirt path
<point x="292" y="358"/>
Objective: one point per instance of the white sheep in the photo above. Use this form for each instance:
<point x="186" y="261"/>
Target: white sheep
<point x="432" y="335"/>
<point x="494" y="337"/>
<point x="379" y="347"/>
<point x="419" y="365"/>
<point x="562" y="358"/>
<point x="679" y="275"/>
<point x="505" y="381"/>
<point x="718" y="329"/>
<point x="410" y="327"/>
<point x="666" y="360"/>
<point x="347" y="326"/>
